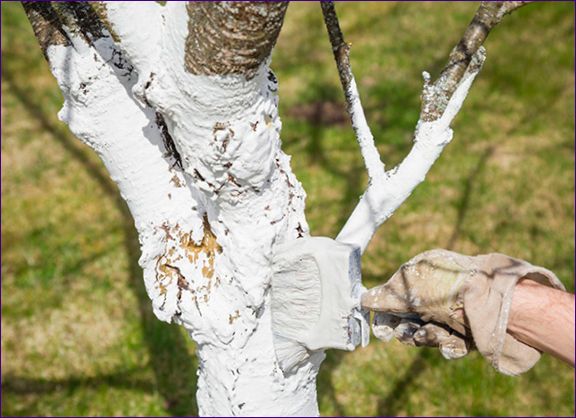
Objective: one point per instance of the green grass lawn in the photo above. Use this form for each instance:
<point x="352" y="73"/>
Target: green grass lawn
<point x="78" y="334"/>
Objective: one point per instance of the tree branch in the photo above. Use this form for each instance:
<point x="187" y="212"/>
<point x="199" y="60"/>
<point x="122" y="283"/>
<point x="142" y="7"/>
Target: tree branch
<point x="341" y="51"/>
<point x="52" y="20"/>
<point x="96" y="80"/>
<point x="435" y="96"/>
<point x="381" y="199"/>
<point x="441" y="101"/>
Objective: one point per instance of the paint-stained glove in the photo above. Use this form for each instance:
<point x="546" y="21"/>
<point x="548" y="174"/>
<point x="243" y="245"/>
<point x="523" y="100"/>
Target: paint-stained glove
<point x="452" y="301"/>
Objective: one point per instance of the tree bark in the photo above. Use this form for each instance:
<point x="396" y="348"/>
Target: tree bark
<point x="208" y="230"/>
<point x="231" y="37"/>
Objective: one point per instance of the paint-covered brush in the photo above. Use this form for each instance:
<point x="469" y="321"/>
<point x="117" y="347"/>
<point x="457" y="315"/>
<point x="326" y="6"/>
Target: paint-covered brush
<point x="316" y="289"/>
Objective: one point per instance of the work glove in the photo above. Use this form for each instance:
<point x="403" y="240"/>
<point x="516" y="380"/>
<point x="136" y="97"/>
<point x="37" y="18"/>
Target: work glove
<point x="455" y="302"/>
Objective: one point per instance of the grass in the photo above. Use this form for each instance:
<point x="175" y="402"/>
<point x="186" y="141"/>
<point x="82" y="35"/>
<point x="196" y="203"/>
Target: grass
<point x="78" y="336"/>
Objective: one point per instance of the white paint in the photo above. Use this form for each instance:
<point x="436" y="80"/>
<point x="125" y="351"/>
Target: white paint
<point x="374" y="165"/>
<point x="140" y="34"/>
<point x="316" y="290"/>
<point x="385" y="193"/>
<point x="252" y="205"/>
<point x="101" y="111"/>
<point x="227" y="131"/>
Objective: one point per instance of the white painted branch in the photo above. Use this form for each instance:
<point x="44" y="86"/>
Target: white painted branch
<point x="382" y="198"/>
<point x="441" y="101"/>
<point x="370" y="154"/>
<point x="101" y="111"/>
<point x="364" y="137"/>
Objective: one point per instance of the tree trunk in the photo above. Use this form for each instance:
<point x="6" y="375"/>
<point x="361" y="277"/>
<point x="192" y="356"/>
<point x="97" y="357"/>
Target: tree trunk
<point x="192" y="139"/>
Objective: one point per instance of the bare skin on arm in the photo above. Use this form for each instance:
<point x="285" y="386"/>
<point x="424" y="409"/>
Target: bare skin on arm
<point x="543" y="318"/>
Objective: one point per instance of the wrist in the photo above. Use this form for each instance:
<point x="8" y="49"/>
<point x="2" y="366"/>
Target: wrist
<point x="543" y="318"/>
<point x="525" y="305"/>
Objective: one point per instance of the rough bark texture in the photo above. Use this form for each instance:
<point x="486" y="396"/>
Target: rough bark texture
<point x="231" y="37"/>
<point x="340" y="48"/>
<point x="435" y="96"/>
<point x="197" y="157"/>
<point x="46" y="24"/>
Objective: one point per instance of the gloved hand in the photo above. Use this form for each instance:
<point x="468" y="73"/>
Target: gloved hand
<point x="455" y="302"/>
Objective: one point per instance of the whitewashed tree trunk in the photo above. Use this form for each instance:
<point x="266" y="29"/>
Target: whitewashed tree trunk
<point x="207" y="232"/>
<point x="179" y="102"/>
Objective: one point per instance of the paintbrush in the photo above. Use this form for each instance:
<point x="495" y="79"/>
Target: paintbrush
<point x="316" y="288"/>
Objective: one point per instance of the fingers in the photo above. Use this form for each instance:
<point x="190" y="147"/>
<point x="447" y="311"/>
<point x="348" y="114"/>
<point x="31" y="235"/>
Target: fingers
<point x="415" y="332"/>
<point x="431" y="335"/>
<point x="406" y="329"/>
<point x="454" y="347"/>
<point x="385" y="298"/>
<point x="383" y="326"/>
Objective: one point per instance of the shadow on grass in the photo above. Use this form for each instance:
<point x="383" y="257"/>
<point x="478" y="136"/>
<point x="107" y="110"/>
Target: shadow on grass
<point x="394" y="400"/>
<point x="469" y="183"/>
<point x="174" y="369"/>
<point x="464" y="203"/>
<point x="122" y="379"/>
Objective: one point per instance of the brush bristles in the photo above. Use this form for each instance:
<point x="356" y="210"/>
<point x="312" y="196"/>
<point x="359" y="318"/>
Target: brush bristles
<point x="289" y="353"/>
<point x="296" y="296"/>
<point x="315" y="297"/>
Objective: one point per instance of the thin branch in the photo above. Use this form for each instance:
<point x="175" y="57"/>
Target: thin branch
<point x="436" y="95"/>
<point x="341" y="50"/>
<point x="441" y="101"/>
<point x="382" y="198"/>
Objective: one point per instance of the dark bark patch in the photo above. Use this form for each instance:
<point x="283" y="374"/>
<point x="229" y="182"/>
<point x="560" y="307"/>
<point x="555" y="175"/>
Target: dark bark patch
<point x="81" y="16"/>
<point x="46" y="24"/>
<point x="169" y="144"/>
<point x="231" y="37"/>
<point x="49" y="18"/>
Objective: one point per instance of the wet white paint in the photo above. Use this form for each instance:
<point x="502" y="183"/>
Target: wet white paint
<point x="387" y="191"/>
<point x="100" y="110"/>
<point x="370" y="154"/>
<point x="227" y="132"/>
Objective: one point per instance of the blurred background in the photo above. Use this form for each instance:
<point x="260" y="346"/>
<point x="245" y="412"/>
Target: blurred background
<point x="78" y="333"/>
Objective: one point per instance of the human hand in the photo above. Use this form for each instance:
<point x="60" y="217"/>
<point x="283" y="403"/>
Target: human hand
<point x="422" y="303"/>
<point x="445" y="299"/>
